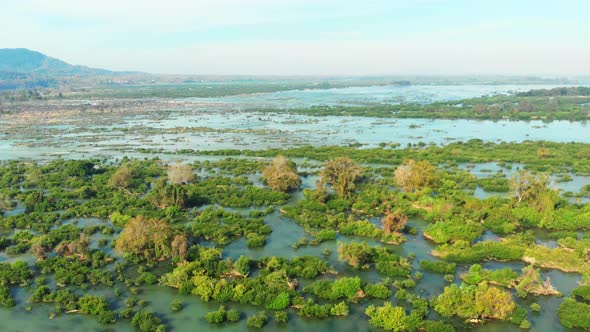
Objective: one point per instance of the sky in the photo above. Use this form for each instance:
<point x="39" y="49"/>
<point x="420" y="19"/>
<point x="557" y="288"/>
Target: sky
<point x="307" y="37"/>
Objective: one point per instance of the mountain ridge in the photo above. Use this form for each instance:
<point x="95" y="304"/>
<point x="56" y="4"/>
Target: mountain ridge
<point x="23" y="60"/>
<point x="22" y="68"/>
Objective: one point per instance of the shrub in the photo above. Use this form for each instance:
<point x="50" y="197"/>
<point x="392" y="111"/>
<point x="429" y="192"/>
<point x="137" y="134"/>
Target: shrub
<point x="176" y="305"/>
<point x="233" y="315"/>
<point x="438" y="267"/>
<point x="146" y="321"/>
<point x="281" y="317"/>
<point x="257" y="320"/>
<point x="340" y="309"/>
<point x="216" y="317"/>
<point x="574" y="314"/>
<point x="378" y="291"/>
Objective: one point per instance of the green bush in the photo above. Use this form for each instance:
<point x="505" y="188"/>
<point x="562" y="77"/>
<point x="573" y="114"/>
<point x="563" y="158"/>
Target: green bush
<point x="281" y="317"/>
<point x="573" y="314"/>
<point x="438" y="267"/>
<point x="257" y="320"/>
<point x="146" y="321"/>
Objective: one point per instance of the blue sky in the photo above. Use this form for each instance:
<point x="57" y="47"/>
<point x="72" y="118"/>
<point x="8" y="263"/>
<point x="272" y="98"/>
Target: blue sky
<point x="305" y="37"/>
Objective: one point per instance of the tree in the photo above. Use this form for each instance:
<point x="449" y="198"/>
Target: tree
<point x="357" y="255"/>
<point x="78" y="247"/>
<point x="281" y="175"/>
<point x="416" y="175"/>
<point x="341" y="173"/>
<point x="393" y="222"/>
<point x="149" y="238"/>
<point x="389" y="317"/>
<point x="166" y="195"/>
<point x="33" y="176"/>
<point x="543" y="153"/>
<point x="121" y="179"/>
<point x="573" y="314"/>
<point x="474" y="302"/>
<point x="146" y="321"/>
<point x="179" y="246"/>
<point x="35" y="201"/>
<point x="257" y="320"/>
<point x="527" y="187"/>
<point x="40" y="247"/>
<point x="180" y="173"/>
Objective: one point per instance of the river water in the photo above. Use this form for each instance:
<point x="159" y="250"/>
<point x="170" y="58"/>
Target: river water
<point x="229" y="123"/>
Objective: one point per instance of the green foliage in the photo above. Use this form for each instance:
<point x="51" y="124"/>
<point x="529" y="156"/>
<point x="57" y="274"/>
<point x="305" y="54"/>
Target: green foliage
<point x="474" y="302"/>
<point x="280" y="302"/>
<point x="73" y="271"/>
<point x="438" y="267"/>
<point x="176" y="305"/>
<point x="361" y="228"/>
<point x="324" y="235"/>
<point x="97" y="306"/>
<point x="436" y="326"/>
<point x="233" y="315"/>
<point x="460" y="252"/>
<point x="357" y="255"/>
<point x="582" y="291"/>
<point x="574" y="314"/>
<point x="389" y="317"/>
<point x="503" y="277"/>
<point x="146" y="321"/>
<point x="221" y="226"/>
<point x="257" y="320"/>
<point x="443" y="232"/>
<point x="6" y="298"/>
<point x="341" y="288"/>
<point x="235" y="193"/>
<point x="216" y="317"/>
<point x="340" y="309"/>
<point x="281" y="317"/>
<point x="312" y="310"/>
<point x="378" y="291"/>
<point x="17" y="272"/>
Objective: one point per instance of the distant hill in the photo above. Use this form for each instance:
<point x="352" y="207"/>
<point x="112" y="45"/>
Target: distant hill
<point x="25" y="61"/>
<point x="24" y="68"/>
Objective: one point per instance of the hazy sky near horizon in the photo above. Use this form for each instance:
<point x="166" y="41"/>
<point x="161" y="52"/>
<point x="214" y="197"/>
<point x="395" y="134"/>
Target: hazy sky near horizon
<point x="307" y="37"/>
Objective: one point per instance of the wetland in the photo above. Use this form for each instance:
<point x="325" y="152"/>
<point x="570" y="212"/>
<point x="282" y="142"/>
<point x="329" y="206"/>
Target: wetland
<point x="348" y="208"/>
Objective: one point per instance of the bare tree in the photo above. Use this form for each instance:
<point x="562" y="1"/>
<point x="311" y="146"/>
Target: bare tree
<point x="342" y="174"/>
<point x="416" y="175"/>
<point x="180" y="173"/>
<point x="281" y="175"/>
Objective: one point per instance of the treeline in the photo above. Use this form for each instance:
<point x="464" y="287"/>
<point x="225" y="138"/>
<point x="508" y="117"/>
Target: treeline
<point x="564" y="91"/>
<point x="547" y="105"/>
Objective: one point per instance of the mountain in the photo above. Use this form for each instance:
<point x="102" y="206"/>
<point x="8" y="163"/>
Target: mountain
<point x="24" y="61"/>
<point x="23" y="68"/>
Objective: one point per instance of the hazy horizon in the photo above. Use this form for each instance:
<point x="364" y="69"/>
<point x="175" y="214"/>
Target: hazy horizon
<point x="308" y="38"/>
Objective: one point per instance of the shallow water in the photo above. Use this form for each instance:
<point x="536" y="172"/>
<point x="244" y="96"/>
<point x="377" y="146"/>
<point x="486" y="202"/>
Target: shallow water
<point x="221" y="123"/>
<point x="371" y="94"/>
